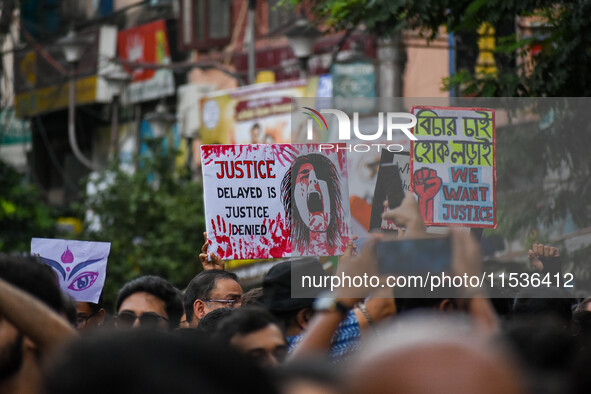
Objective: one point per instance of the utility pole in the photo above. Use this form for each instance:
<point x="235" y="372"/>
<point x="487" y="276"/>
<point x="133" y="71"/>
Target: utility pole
<point x="392" y="61"/>
<point x="251" y="41"/>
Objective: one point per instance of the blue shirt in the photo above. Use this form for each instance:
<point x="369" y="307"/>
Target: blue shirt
<point x="344" y="341"/>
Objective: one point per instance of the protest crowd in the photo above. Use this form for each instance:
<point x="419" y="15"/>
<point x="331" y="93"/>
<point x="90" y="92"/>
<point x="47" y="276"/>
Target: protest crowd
<point x="213" y="337"/>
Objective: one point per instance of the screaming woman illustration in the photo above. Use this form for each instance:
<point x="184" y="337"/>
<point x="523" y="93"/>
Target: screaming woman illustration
<point x="313" y="184"/>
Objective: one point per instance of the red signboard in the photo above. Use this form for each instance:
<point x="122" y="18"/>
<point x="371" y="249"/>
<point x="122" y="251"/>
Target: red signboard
<point x="147" y="44"/>
<point x="144" y="44"/>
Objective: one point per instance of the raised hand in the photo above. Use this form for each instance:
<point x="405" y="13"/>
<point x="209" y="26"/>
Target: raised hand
<point x="210" y="261"/>
<point x="542" y="257"/>
<point x="407" y="215"/>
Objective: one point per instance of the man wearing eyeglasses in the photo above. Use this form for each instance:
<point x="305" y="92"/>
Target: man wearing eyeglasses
<point x="209" y="290"/>
<point x="89" y="315"/>
<point x="148" y="302"/>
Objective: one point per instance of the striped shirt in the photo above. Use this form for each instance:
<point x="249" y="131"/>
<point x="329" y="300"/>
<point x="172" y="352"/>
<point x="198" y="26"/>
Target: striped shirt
<point x="344" y="341"/>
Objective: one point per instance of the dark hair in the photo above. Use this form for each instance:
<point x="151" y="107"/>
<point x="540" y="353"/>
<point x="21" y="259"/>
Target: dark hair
<point x="315" y="370"/>
<point x="289" y="319"/>
<point x="244" y="321"/>
<point x="582" y="323"/>
<point x="326" y="171"/>
<point x="70" y="308"/>
<point x="408" y="304"/>
<point x="151" y="362"/>
<point x="34" y="277"/>
<point x="542" y="302"/>
<point x="160" y="288"/>
<point x="201" y="286"/>
<point x="211" y="321"/>
<point x="97" y="307"/>
<point x="545" y="348"/>
<point x="252" y="296"/>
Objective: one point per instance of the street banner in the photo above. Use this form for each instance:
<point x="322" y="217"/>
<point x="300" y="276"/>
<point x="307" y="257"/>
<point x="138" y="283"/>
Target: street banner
<point x="80" y="266"/>
<point x="453" y="166"/>
<point x="276" y="200"/>
<point x="255" y="114"/>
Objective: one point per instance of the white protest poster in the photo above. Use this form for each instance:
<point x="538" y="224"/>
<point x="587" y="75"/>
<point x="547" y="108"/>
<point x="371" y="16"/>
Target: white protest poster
<point x="453" y="166"/>
<point x="80" y="266"/>
<point x="279" y="200"/>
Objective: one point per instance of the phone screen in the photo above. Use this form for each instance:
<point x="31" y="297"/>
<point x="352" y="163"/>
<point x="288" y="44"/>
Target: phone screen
<point x="414" y="255"/>
<point x="395" y="194"/>
<point x="388" y="187"/>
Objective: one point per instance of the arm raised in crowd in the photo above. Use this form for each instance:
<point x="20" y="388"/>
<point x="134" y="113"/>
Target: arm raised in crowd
<point x="33" y="318"/>
<point x="467" y="259"/>
<point x="324" y="323"/>
<point x="544" y="257"/>
<point x="408" y="216"/>
<point x="379" y="305"/>
<point x="210" y="261"/>
<point x="465" y="255"/>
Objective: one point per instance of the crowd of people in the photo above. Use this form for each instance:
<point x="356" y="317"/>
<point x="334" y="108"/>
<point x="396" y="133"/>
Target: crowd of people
<point x="213" y="337"/>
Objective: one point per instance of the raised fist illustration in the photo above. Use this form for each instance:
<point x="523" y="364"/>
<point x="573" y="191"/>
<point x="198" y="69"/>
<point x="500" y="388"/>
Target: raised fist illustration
<point x="426" y="186"/>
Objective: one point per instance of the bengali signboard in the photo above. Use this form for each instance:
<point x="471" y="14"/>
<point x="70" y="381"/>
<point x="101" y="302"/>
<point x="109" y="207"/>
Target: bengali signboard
<point x="453" y="166"/>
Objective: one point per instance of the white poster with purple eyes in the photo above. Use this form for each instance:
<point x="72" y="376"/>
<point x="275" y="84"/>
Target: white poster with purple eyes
<point x="80" y="266"/>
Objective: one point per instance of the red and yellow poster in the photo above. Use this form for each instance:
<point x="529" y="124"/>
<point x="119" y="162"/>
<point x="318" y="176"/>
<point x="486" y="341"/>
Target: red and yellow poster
<point x="256" y="114"/>
<point x="453" y="166"/>
<point x="147" y="44"/>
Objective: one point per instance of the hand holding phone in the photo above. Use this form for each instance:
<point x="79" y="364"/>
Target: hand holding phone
<point x="410" y="256"/>
<point x="408" y="215"/>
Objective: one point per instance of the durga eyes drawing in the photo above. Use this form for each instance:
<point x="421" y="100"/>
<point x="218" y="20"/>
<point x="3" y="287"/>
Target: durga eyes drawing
<point x="83" y="281"/>
<point x="75" y="280"/>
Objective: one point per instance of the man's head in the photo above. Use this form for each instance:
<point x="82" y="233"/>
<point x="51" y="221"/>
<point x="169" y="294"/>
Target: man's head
<point x="89" y="315"/>
<point x="150" y="361"/>
<point x="38" y="280"/>
<point x="543" y="302"/>
<point x="419" y="354"/>
<point x="313" y="185"/>
<point x="255" y="133"/>
<point x="293" y="313"/>
<point x="210" y="290"/>
<point x="11" y="349"/>
<point x="210" y="322"/>
<point x="148" y="301"/>
<point x="254" y="331"/>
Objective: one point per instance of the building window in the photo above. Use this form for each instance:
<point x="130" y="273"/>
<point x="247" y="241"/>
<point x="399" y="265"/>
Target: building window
<point x="209" y="24"/>
<point x="219" y="19"/>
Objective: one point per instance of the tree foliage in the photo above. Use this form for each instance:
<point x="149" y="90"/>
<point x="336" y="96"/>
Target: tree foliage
<point x="561" y="66"/>
<point x="154" y="220"/>
<point x="23" y="214"/>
